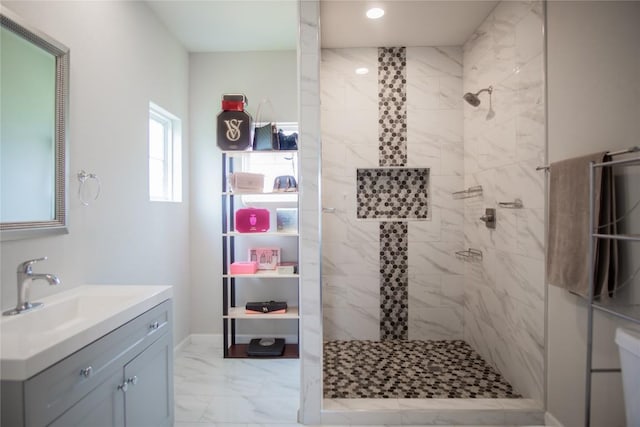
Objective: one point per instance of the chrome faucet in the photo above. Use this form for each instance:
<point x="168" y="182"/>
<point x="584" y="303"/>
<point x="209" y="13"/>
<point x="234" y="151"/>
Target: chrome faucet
<point x="25" y="277"/>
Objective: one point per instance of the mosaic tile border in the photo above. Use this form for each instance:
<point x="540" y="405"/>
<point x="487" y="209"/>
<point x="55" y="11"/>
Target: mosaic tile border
<point x="391" y="194"/>
<point x="392" y="144"/>
<point x="409" y="369"/>
<point x="394" y="281"/>
<point x="392" y="110"/>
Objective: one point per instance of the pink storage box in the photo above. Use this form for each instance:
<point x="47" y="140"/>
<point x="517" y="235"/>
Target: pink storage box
<point x="244" y="267"/>
<point x="267" y="258"/>
<point x="252" y="220"/>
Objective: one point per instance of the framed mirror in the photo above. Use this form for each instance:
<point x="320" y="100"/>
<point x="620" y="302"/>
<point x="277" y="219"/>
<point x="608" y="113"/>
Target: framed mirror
<point x="34" y="76"/>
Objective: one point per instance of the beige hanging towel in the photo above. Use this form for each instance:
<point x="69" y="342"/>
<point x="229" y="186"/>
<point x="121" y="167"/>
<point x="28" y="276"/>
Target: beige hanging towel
<point x="569" y="231"/>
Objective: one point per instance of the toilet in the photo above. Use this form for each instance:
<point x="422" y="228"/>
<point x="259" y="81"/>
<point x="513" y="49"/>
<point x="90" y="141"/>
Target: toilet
<point x="629" y="344"/>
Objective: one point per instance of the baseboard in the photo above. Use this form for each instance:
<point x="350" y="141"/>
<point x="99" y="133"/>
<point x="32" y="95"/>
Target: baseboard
<point x="550" y="420"/>
<point x="182" y="344"/>
<point x="206" y="339"/>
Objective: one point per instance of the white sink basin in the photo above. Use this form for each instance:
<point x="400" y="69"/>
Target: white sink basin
<point x="68" y="321"/>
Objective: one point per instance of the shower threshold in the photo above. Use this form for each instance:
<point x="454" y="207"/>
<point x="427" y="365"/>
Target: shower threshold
<point x="494" y="412"/>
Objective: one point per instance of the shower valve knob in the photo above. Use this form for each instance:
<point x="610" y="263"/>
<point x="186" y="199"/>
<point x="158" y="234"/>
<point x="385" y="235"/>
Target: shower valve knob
<point x="489" y="218"/>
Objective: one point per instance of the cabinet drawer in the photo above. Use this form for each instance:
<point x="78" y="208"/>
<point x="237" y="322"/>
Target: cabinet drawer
<point x="54" y="390"/>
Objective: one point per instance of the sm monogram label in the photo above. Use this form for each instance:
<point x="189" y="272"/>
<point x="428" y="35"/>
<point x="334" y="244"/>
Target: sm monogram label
<point x="233" y="129"/>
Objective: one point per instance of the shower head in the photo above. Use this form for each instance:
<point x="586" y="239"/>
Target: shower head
<point x="473" y="99"/>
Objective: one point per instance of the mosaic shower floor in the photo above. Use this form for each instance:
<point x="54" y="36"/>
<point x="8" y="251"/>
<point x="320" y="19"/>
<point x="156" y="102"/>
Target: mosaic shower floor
<point x="409" y="369"/>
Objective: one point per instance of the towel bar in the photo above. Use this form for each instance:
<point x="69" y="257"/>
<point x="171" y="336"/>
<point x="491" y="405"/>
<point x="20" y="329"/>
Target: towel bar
<point x="633" y="149"/>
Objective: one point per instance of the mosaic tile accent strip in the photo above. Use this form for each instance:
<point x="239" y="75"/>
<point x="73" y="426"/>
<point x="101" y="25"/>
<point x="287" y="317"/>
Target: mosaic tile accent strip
<point x="409" y="369"/>
<point x="392" y="110"/>
<point x="394" y="281"/>
<point x="392" y="193"/>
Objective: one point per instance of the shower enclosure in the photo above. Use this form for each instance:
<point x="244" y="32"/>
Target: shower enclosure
<point x="414" y="285"/>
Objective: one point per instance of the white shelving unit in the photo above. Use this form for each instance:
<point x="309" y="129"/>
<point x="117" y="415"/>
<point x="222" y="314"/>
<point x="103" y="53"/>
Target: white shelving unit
<point x="266" y="234"/>
<point x="621" y="310"/>
<point x="232" y="161"/>
<point x="263" y="275"/>
<point x="239" y="313"/>
<point x="279" y="193"/>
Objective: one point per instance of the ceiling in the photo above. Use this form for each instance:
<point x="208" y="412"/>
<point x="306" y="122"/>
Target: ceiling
<point x="405" y="23"/>
<point x="230" y="25"/>
<point x="246" y="25"/>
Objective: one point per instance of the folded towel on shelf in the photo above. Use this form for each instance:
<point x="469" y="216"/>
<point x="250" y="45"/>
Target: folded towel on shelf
<point x="569" y="230"/>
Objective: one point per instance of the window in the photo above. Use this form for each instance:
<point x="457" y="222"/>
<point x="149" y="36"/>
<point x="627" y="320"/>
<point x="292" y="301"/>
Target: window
<point x="165" y="155"/>
<point x="272" y="164"/>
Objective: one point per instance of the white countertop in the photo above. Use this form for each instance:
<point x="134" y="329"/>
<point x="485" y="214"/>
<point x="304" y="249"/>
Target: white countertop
<point x="68" y="321"/>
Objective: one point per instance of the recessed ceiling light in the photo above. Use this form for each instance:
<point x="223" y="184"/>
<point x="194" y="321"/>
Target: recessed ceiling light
<point x="362" y="70"/>
<point x="375" y="13"/>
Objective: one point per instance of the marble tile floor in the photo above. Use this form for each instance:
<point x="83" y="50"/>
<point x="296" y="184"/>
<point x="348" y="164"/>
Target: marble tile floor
<point x="214" y="392"/>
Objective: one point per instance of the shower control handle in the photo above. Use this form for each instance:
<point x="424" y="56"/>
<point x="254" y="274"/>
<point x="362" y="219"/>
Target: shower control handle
<point x="489" y="218"/>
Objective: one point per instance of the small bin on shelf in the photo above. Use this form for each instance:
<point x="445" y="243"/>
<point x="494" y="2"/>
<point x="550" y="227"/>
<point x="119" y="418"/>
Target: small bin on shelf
<point x="245" y="182"/>
<point x="244" y="267"/>
<point x="252" y="220"/>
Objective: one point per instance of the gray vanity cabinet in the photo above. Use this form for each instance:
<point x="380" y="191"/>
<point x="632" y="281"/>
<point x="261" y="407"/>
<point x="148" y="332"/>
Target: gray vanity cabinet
<point x="146" y="402"/>
<point x="123" y="379"/>
<point x="149" y="398"/>
<point x="102" y="407"/>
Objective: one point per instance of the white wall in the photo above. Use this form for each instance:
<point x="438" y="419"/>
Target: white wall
<point x="593" y="105"/>
<point x="121" y="58"/>
<point x="258" y="75"/>
<point x="504" y="293"/>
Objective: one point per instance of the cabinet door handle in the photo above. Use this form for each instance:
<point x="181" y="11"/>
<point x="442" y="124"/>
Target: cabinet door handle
<point x="155" y="325"/>
<point x="124" y="387"/>
<point x="86" y="372"/>
<point x="133" y="380"/>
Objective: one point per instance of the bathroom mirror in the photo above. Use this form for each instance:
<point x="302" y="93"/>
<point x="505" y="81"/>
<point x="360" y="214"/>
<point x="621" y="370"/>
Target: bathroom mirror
<point x="34" y="72"/>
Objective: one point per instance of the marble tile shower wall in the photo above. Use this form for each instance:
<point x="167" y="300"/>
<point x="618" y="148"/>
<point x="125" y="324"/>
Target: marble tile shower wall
<point x="351" y="261"/>
<point x="310" y="225"/>
<point x="504" y="293"/>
